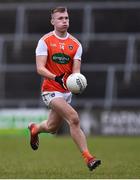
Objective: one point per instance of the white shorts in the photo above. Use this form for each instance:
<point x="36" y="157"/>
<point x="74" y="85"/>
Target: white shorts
<point x="47" y="96"/>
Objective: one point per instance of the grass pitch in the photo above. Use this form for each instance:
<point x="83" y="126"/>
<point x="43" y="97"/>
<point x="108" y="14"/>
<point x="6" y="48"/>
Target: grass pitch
<point x="58" y="158"/>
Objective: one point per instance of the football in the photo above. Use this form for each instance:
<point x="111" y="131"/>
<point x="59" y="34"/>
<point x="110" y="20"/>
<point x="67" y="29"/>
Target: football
<point x="76" y="83"/>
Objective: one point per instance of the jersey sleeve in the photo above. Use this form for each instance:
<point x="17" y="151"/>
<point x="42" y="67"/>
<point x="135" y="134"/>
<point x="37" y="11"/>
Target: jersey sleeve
<point x="41" y="48"/>
<point x="78" y="53"/>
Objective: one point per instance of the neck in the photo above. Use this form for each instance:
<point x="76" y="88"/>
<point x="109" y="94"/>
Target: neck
<point x="61" y="34"/>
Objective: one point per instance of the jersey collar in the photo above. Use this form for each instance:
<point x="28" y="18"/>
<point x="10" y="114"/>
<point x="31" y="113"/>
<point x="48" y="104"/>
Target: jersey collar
<point x="61" y="37"/>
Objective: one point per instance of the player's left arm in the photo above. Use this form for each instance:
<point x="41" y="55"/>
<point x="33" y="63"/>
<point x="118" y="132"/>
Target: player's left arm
<point x="76" y="66"/>
<point x="77" y="60"/>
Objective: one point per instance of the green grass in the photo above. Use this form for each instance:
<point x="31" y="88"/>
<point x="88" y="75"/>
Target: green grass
<point x="58" y="157"/>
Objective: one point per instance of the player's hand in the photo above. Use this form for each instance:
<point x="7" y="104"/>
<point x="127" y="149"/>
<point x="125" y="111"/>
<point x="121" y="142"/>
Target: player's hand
<point x="60" y="80"/>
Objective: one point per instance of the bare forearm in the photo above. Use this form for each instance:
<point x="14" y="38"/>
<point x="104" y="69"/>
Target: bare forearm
<point x="41" y="69"/>
<point x="46" y="73"/>
<point x="76" y="66"/>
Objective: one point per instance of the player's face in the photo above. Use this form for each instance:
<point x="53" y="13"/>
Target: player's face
<point x="60" y="21"/>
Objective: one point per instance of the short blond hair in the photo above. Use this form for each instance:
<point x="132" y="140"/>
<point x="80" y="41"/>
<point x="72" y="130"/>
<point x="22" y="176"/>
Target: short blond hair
<point x="60" y="9"/>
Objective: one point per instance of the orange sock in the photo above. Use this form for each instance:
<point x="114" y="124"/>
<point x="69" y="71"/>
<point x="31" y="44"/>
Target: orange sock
<point x="86" y="155"/>
<point x="34" y="129"/>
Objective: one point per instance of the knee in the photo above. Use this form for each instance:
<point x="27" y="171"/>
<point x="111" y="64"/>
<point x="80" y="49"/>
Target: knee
<point x="74" y="119"/>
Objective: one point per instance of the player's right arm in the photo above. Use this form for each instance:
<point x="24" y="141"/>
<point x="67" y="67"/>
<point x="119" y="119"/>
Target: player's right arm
<point x="41" y="60"/>
<point x="41" y="69"/>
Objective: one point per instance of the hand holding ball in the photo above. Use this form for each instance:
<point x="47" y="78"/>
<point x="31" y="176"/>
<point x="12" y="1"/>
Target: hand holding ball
<point x="76" y="83"/>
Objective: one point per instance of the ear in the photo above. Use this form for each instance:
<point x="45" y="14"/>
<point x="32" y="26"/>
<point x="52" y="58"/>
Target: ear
<point x="52" y="21"/>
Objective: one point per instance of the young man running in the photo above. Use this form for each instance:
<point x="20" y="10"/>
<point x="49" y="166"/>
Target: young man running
<point x="58" y="54"/>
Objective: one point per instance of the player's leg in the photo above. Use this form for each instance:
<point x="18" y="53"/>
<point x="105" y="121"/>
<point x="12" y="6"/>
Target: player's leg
<point x="71" y="116"/>
<point x="49" y="126"/>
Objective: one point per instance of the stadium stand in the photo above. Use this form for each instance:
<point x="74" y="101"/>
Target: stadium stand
<point x="113" y="52"/>
<point x="25" y="86"/>
<point x="38" y="21"/>
<point x="105" y="20"/>
<point x="96" y="80"/>
<point x="25" y="55"/>
<point x="109" y="32"/>
<point x="7" y="21"/>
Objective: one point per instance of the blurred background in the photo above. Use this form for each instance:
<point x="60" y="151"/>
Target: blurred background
<point x="110" y="34"/>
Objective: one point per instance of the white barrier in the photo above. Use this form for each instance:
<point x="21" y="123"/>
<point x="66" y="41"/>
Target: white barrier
<point x="20" y="118"/>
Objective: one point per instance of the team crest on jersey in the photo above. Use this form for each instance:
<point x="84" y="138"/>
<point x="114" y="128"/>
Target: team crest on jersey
<point x="71" y="47"/>
<point x="52" y="94"/>
<point x="61" y="58"/>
